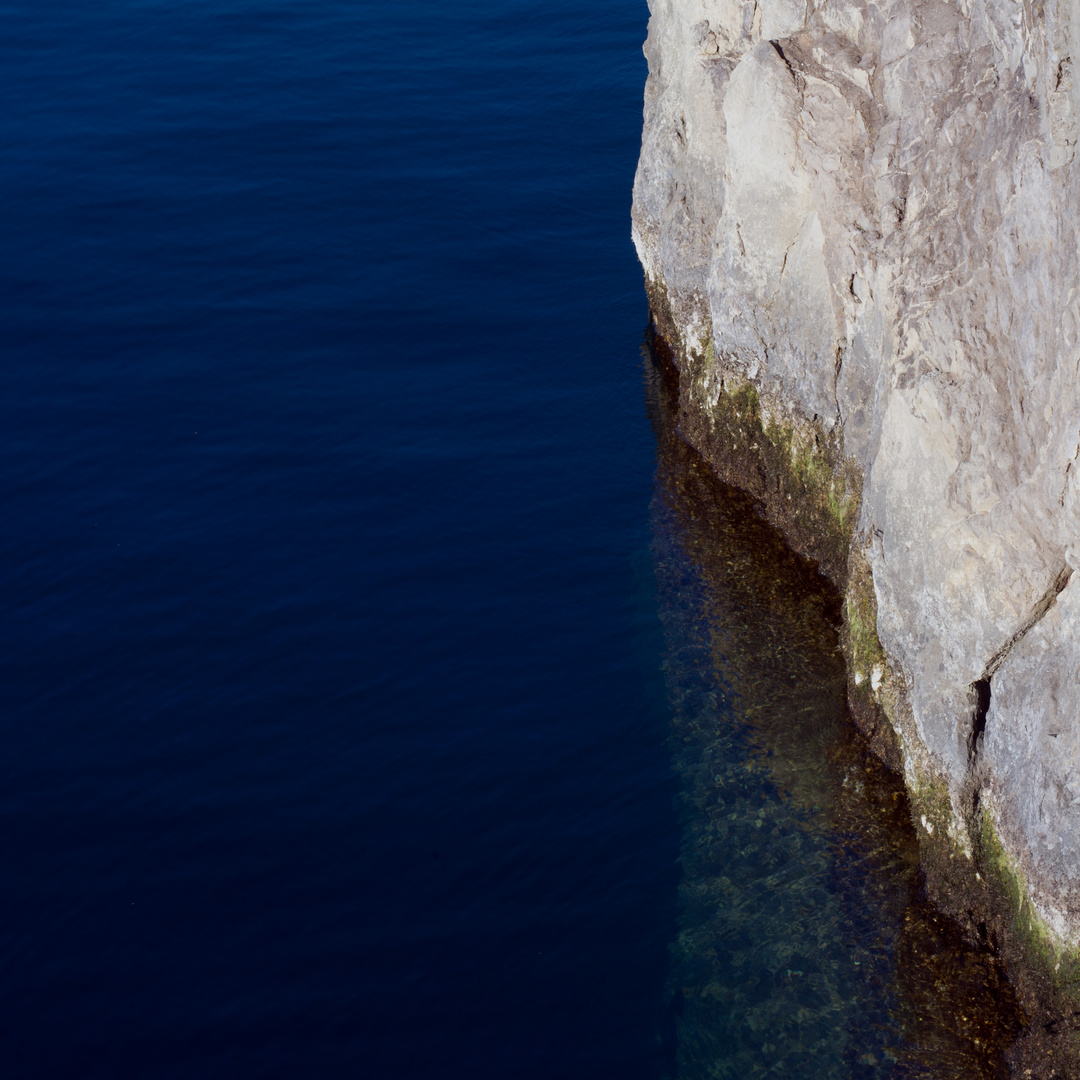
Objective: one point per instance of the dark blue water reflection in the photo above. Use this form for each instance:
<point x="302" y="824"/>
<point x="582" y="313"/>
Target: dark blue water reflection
<point x="333" y="729"/>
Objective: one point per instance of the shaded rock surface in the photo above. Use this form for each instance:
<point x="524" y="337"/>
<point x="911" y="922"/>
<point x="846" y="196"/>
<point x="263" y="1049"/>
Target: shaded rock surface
<point x="868" y="213"/>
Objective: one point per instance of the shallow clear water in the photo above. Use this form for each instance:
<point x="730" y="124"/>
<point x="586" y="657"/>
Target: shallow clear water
<point x="335" y="722"/>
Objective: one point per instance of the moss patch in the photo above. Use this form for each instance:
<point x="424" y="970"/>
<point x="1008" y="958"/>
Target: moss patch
<point x="1046" y="975"/>
<point x="874" y="691"/>
<point x="864" y="651"/>
<point x="793" y="466"/>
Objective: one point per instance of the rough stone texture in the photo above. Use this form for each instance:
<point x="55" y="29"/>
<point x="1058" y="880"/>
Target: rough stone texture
<point x="1033" y="763"/>
<point x="868" y="211"/>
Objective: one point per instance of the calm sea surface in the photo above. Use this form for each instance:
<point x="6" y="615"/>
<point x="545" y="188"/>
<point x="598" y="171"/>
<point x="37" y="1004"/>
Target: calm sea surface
<point x="385" y="691"/>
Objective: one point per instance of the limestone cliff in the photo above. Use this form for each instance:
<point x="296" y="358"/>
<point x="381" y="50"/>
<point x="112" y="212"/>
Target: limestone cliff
<point x="858" y="222"/>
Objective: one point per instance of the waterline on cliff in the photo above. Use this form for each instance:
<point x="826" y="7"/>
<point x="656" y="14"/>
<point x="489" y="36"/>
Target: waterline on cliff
<point x="807" y="945"/>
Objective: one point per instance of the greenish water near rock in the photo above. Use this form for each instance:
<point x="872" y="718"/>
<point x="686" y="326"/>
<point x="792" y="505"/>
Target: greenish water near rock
<point x="807" y="945"/>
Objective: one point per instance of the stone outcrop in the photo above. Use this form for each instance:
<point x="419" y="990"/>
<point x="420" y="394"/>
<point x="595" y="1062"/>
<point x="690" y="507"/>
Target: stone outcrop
<point x="859" y="225"/>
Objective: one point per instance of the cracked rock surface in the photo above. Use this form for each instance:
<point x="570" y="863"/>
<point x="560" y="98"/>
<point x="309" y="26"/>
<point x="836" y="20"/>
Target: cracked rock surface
<point x="870" y="211"/>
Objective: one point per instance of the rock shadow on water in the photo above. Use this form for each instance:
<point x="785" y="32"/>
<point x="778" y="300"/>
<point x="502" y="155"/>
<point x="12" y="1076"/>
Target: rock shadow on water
<point x="807" y="945"/>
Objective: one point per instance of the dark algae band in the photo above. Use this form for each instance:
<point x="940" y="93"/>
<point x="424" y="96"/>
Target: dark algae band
<point x="808" y="945"/>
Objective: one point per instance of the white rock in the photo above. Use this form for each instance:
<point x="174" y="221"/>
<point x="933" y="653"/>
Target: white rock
<point x="894" y="185"/>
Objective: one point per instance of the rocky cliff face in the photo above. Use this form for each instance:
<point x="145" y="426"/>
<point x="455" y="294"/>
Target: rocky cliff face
<point x="859" y="226"/>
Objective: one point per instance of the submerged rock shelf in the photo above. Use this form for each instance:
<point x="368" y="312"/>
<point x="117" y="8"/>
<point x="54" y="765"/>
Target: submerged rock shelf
<point x="808" y="944"/>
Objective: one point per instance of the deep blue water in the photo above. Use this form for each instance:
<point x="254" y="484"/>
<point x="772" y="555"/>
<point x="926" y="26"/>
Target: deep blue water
<point x="333" y="733"/>
<point x="385" y="690"/>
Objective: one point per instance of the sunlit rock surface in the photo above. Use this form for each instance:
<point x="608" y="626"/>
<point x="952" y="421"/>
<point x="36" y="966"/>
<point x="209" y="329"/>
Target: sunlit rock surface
<point x="869" y="211"/>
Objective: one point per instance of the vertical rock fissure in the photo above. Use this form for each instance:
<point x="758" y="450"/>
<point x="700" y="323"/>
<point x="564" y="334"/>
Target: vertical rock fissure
<point x="981" y="686"/>
<point x="981" y="689"/>
<point x="780" y="52"/>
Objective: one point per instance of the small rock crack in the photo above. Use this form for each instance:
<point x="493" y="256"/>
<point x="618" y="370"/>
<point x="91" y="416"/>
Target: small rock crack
<point x="981" y="686"/>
